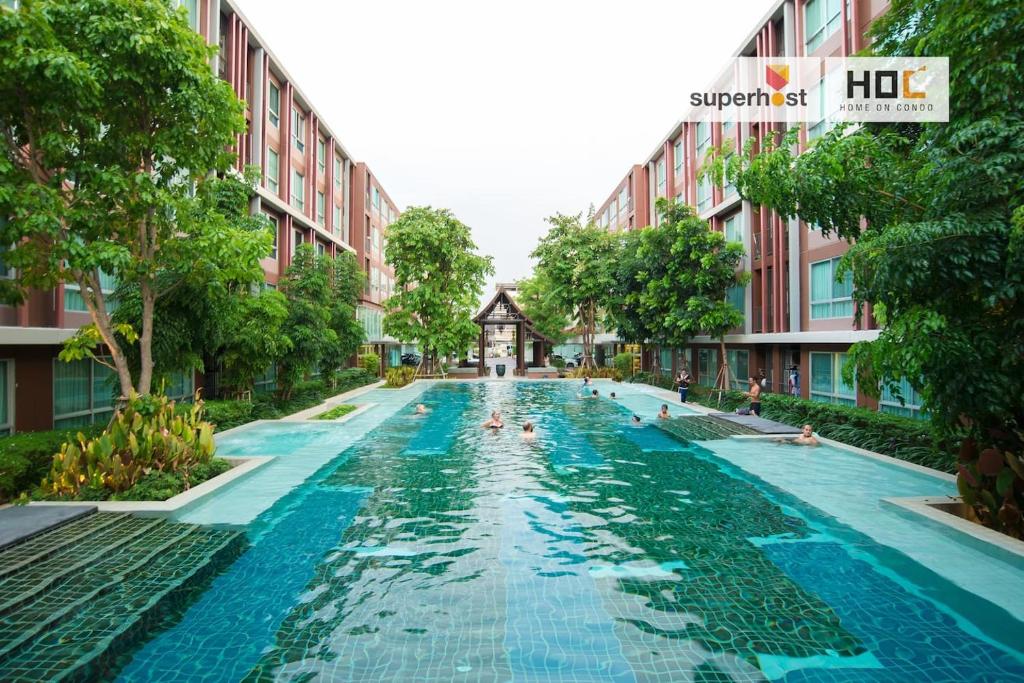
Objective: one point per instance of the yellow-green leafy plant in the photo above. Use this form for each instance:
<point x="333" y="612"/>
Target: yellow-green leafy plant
<point x="147" y="435"/>
<point x="400" y="376"/>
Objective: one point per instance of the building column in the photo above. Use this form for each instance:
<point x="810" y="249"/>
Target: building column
<point x="257" y="103"/>
<point x="481" y="368"/>
<point x="538" y="353"/>
<point x="521" y="348"/>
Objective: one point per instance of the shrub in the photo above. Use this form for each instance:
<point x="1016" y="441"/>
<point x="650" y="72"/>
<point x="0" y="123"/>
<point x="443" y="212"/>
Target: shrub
<point x="557" y="362"/>
<point x="370" y="362"/>
<point x="660" y="381"/>
<point x="227" y="414"/>
<point x="336" y="412"/>
<point x="145" y="436"/>
<point x="400" y="376"/>
<point x="26" y="458"/>
<point x="164" y="485"/>
<point x="623" y="362"/>
<point x="596" y="373"/>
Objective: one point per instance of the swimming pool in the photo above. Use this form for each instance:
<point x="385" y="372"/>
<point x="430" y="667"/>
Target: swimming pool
<point x="403" y="548"/>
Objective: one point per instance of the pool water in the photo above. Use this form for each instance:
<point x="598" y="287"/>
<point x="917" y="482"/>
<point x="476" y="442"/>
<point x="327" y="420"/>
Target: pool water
<point x="430" y="549"/>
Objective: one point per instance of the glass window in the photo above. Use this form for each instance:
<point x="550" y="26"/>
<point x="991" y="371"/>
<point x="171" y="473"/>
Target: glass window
<point x="6" y="370"/>
<point x="298" y="130"/>
<point x="623" y="200"/>
<point x="273" y="171"/>
<point x="827" y="383"/>
<point x="321" y="208"/>
<point x="704" y="196"/>
<point x="737" y="296"/>
<point x="83" y="393"/>
<point x="298" y="191"/>
<point x="336" y="219"/>
<point x="321" y="250"/>
<point x="376" y="199"/>
<point x="273" y="232"/>
<point x="192" y="7"/>
<point x="703" y="139"/>
<point x="734" y="228"/>
<point x="73" y="300"/>
<point x="321" y="156"/>
<point x="339" y="173"/>
<point x="660" y="174"/>
<point x="739" y="368"/>
<point x="267" y="381"/>
<point x="296" y="241"/>
<point x="830" y="298"/>
<point x="181" y="385"/>
<point x="6" y="272"/>
<point x="677" y="160"/>
<point x="707" y="367"/>
<point x="889" y="401"/>
<point x="822" y="18"/>
<point x="274" y="105"/>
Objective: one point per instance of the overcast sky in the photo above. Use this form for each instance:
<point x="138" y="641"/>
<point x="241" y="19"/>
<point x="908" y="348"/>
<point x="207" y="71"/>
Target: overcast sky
<point x="504" y="113"/>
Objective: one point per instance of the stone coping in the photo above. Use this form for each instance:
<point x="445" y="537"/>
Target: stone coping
<point x="932" y="508"/>
<point x="329" y="403"/>
<point x="243" y="466"/>
<point x="20" y="522"/>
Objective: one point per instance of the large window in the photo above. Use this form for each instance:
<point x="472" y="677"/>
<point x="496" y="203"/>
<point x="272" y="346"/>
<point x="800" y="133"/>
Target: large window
<point x="677" y="161"/>
<point x="267" y="381"/>
<point x="83" y="393"/>
<point x="339" y="173"/>
<point x="274" y="105"/>
<point x="273" y="231"/>
<point x="623" y="200"/>
<point x="192" y="7"/>
<point x="6" y="398"/>
<point x="321" y="156"/>
<point x="739" y="368"/>
<point x="372" y="322"/>
<point x="707" y="367"/>
<point x="6" y="272"/>
<point x="298" y="130"/>
<point x="298" y="191"/>
<point x="827" y="383"/>
<point x="659" y="170"/>
<point x="376" y="199"/>
<point x="181" y="385"/>
<point x="273" y="171"/>
<point x="829" y="298"/>
<point x="336" y="220"/>
<point x="703" y="140"/>
<point x="737" y="297"/>
<point x="73" y="300"/>
<point x="704" y="195"/>
<point x="321" y="209"/>
<point x="910" y="407"/>
<point x="822" y="18"/>
<point x="734" y="227"/>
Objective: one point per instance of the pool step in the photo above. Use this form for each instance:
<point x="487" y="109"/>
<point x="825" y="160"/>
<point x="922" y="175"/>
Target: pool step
<point x="702" y="428"/>
<point x="69" y="615"/>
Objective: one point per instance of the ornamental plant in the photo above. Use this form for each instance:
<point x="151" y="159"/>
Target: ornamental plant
<point x="147" y="435"/>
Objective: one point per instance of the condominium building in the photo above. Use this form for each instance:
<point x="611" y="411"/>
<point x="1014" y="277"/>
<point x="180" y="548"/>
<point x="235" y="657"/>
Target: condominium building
<point x="795" y="314"/>
<point x="311" y="190"/>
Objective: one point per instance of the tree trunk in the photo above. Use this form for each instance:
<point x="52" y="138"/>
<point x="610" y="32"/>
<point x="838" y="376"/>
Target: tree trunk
<point x="146" y="339"/>
<point x="92" y="295"/>
<point x="724" y="372"/>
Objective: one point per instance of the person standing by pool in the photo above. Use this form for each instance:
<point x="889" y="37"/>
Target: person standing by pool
<point x="663" y="413"/>
<point x="495" y="421"/>
<point x="683" y="381"/>
<point x="755" y="396"/>
<point x="794" y="381"/>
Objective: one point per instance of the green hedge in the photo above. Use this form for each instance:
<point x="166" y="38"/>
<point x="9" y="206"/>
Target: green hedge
<point x="26" y="458"/>
<point x="892" y="435"/>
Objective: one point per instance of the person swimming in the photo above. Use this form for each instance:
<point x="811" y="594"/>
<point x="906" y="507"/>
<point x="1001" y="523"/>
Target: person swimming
<point x="421" y="409"/>
<point x="806" y="438"/>
<point x="528" y="433"/>
<point x="663" y="413"/>
<point x="613" y="396"/>
<point x="635" y="420"/>
<point x="495" y="421"/>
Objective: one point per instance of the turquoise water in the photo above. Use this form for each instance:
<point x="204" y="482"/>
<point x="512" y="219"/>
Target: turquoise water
<point x="403" y="548"/>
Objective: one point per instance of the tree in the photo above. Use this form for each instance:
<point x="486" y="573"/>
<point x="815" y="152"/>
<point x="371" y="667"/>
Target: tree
<point x="673" y="280"/>
<point x="538" y="300"/>
<point x="579" y="263"/>
<point x="254" y="337"/>
<point x="934" y="214"/>
<point x="307" y="288"/>
<point x="439" y="278"/>
<point x="347" y="281"/>
<point x="112" y="122"/>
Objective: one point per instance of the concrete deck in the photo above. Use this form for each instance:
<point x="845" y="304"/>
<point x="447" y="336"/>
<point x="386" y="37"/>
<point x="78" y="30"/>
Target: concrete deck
<point x="21" y="522"/>
<point x="758" y="424"/>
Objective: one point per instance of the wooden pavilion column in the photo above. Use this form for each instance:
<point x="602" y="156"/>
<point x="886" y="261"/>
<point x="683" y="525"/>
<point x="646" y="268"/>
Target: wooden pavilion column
<point x="520" y="348"/>
<point x="481" y="367"/>
<point x="538" y="352"/>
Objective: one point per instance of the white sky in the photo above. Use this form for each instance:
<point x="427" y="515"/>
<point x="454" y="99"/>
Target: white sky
<point x="504" y="113"/>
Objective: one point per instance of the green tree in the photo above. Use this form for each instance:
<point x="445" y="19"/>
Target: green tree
<point x="307" y="288"/>
<point x="347" y="282"/>
<point x="673" y="280"/>
<point x="439" y="278"/>
<point x="934" y="214"/>
<point x="578" y="261"/>
<point x="254" y="337"/>
<point x="112" y="122"/>
<point x="537" y="298"/>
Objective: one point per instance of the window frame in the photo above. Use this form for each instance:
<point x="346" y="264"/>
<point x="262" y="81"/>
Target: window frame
<point x="835" y="395"/>
<point x="833" y="300"/>
<point x="273" y="180"/>
<point x="299" y="130"/>
<point x="274" y="109"/>
<point x="91" y="412"/>
<point x="298" y="181"/>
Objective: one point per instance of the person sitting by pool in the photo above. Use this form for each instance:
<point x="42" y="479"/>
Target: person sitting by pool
<point x="663" y="413"/>
<point x="495" y="421"/>
<point x="421" y="409"/>
<point x="806" y="437"/>
<point x="528" y="433"/>
<point x="635" y="420"/>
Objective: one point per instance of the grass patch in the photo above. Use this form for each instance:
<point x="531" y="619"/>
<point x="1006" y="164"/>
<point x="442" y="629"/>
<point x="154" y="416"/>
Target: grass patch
<point x="336" y="412"/>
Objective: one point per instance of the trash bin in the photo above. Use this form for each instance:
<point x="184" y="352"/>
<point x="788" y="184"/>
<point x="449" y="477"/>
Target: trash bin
<point x="500" y="369"/>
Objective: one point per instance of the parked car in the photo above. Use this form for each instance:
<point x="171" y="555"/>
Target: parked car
<point x="412" y="359"/>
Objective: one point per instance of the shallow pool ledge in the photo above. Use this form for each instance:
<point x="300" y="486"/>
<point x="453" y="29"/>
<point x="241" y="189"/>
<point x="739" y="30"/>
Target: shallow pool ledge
<point x="929" y="507"/>
<point x="243" y="467"/>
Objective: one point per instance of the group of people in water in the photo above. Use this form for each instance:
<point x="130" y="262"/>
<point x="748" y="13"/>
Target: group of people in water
<point x="806" y="437"/>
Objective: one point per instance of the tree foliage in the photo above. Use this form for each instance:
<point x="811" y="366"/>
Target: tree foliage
<point x="439" y="278"/>
<point x="254" y="337"/>
<point x="307" y="288"/>
<point x="538" y="299"/>
<point x="111" y="122"/>
<point x="577" y="261"/>
<point x="934" y="213"/>
<point x="347" y="281"/>
<point x="672" y="280"/>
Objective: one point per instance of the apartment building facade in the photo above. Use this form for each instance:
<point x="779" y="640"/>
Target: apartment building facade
<point x="311" y="190"/>
<point x="795" y="314"/>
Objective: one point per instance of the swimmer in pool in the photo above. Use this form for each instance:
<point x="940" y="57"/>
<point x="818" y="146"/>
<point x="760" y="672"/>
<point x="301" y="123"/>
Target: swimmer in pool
<point x="613" y="397"/>
<point x="806" y="438"/>
<point x="421" y="409"/>
<point x="663" y="413"/>
<point x="495" y="421"/>
<point x="635" y="420"/>
<point x="528" y="433"/>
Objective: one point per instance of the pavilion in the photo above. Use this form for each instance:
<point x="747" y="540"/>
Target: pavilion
<point x="503" y="310"/>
